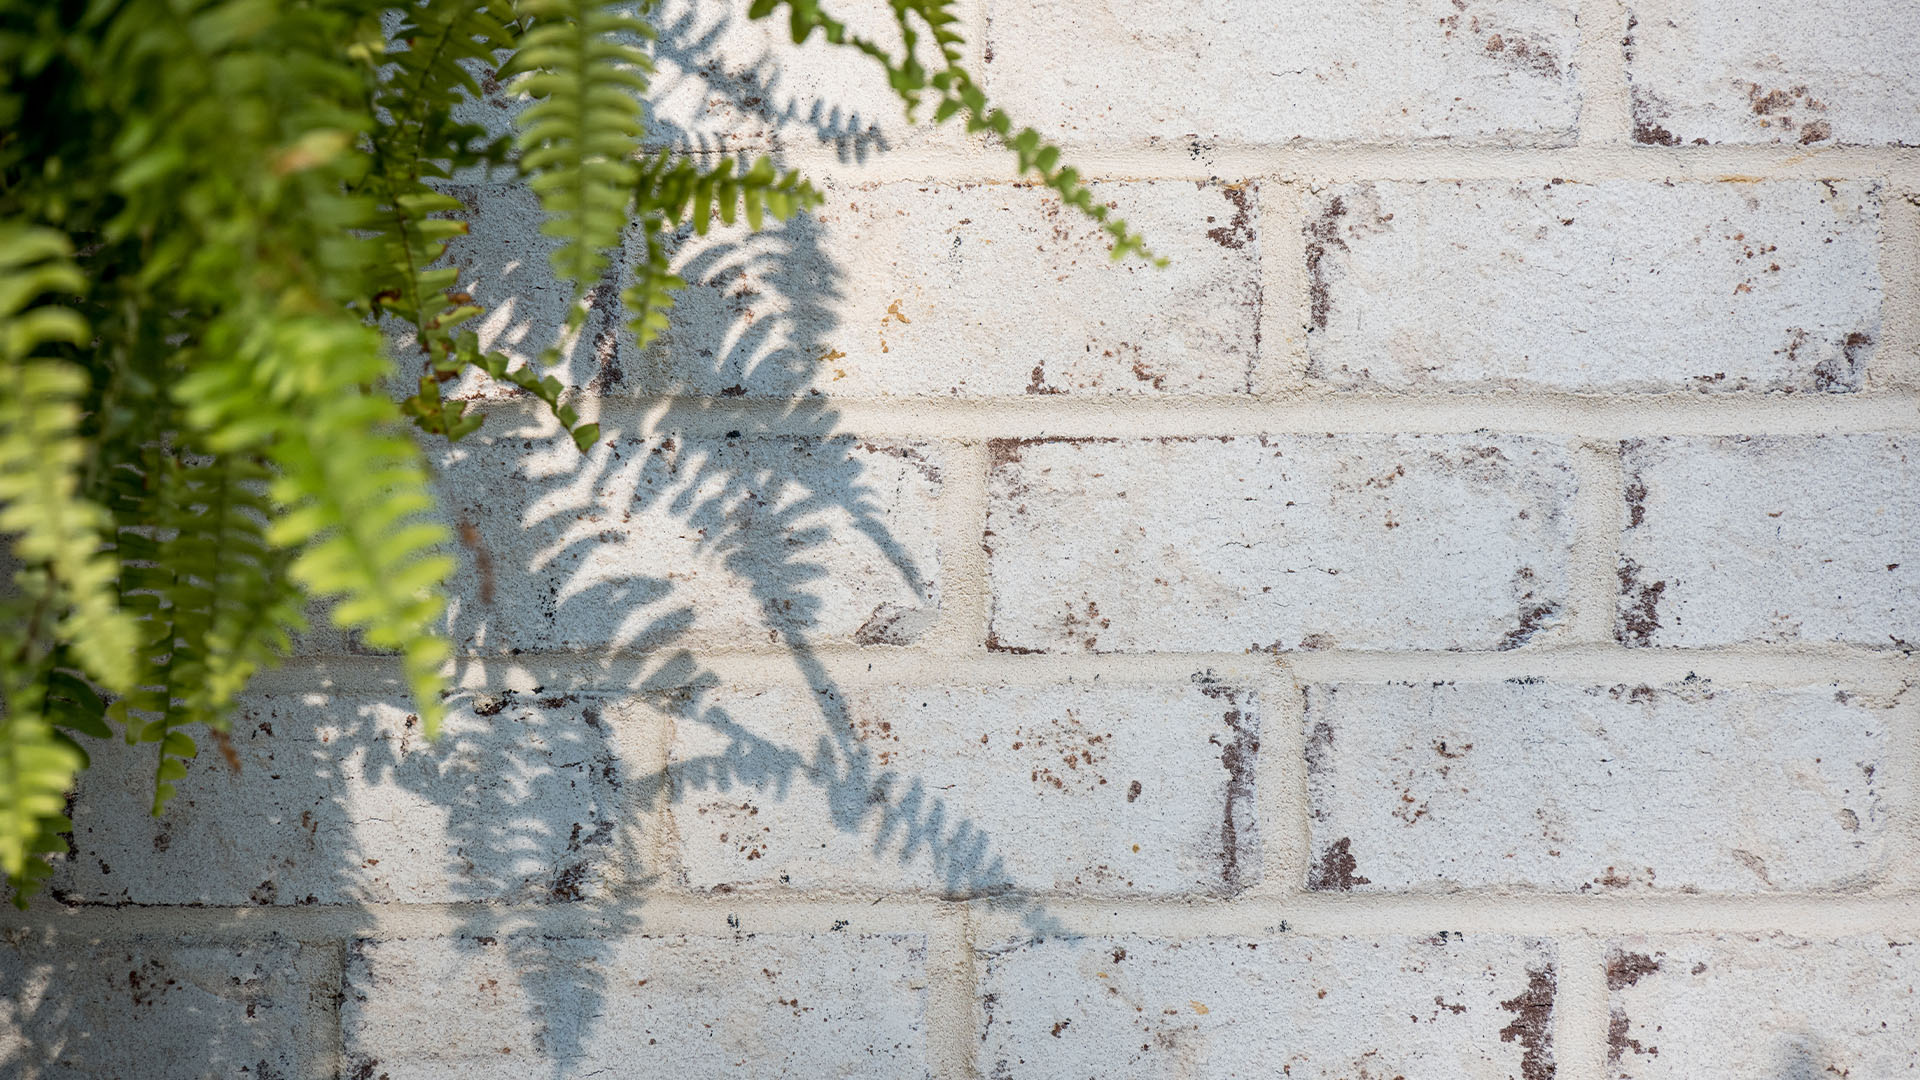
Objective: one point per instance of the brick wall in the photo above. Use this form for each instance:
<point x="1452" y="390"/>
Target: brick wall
<point x="1454" y="622"/>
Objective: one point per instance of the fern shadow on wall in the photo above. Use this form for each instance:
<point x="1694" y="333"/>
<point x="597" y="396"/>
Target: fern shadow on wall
<point x="721" y="502"/>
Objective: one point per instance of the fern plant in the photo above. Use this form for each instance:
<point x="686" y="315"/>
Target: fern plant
<point x="211" y="214"/>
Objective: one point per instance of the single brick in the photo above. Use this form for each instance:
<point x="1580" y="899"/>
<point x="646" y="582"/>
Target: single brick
<point x="1529" y="784"/>
<point x="340" y="799"/>
<point x="1277" y="542"/>
<point x="1302" y="1008"/>
<point x="1087" y="789"/>
<point x="152" y="1008"/>
<point x="1812" y="72"/>
<point x="973" y="290"/>
<point x="766" y="1005"/>
<point x="1771" y="539"/>
<point x="653" y="543"/>
<point x="1270" y="71"/>
<point x="1629" y="285"/>
<point x="1706" y="1007"/>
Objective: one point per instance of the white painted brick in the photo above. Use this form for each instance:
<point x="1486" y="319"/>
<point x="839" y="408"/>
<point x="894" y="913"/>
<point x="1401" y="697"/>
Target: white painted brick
<point x="1730" y="1006"/>
<point x="340" y="799"/>
<point x="1619" y="285"/>
<point x="973" y="290"/>
<point x="1303" y="1008"/>
<point x="1775" y="539"/>
<point x="1091" y="790"/>
<point x="1278" y="543"/>
<point x="153" y="1008"/>
<point x="1809" y="72"/>
<point x="689" y="542"/>
<point x="724" y="83"/>
<point x="1260" y="71"/>
<point x="1534" y="785"/>
<point x="830" y="1004"/>
<point x="505" y="264"/>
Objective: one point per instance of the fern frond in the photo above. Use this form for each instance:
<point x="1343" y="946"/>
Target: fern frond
<point x="582" y="63"/>
<point x="213" y="596"/>
<point x="352" y="484"/>
<point x="36" y="770"/>
<point x="41" y="454"/>
<point x="674" y="189"/>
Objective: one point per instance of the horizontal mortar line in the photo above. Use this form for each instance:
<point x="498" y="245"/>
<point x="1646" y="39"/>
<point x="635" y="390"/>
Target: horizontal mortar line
<point x="1008" y="917"/>
<point x="1321" y="162"/>
<point x="1625" y="416"/>
<point x="856" y="665"/>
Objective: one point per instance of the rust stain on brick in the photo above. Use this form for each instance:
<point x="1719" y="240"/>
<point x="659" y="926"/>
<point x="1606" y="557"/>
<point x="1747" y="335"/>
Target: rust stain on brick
<point x="1335" y="870"/>
<point x="1532" y="619"/>
<point x="1532" y="1025"/>
<point x="1322" y="233"/>
<point x="1640" y="614"/>
<point x="1626" y="968"/>
<point x="1238" y="758"/>
<point x="1648" y="111"/>
<point x="1236" y="233"/>
<point x="907" y="454"/>
<point x="1840" y="374"/>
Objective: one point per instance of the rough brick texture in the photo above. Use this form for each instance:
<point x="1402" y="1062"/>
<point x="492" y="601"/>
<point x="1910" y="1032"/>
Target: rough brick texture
<point x="1259" y="71"/>
<point x="1630" y="285"/>
<point x="1536" y="785"/>
<point x="153" y="1008"/>
<point x="688" y="1008"/>
<point x="1812" y="73"/>
<point x="651" y="543"/>
<point x="974" y="290"/>
<point x="1101" y="790"/>
<point x="1732" y="1006"/>
<point x="1313" y="1008"/>
<point x="1278" y="543"/>
<point x="340" y="799"/>
<point x="963" y="655"/>
<point x="1771" y="539"/>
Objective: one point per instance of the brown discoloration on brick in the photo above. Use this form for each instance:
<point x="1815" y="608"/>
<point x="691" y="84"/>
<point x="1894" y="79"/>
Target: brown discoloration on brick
<point x="890" y="624"/>
<point x="1322" y="233"/>
<point x="1038" y="383"/>
<point x="1238" y="232"/>
<point x="1627" y="968"/>
<point x="1238" y="757"/>
<point x="1648" y="111"/>
<point x="907" y="454"/>
<point x="1639" y="606"/>
<point x="1775" y="107"/>
<point x="1636" y="492"/>
<point x="1524" y="55"/>
<point x="1532" y="1025"/>
<point x="994" y="644"/>
<point x="1532" y="620"/>
<point x="1618" y="1042"/>
<point x="1335" y="870"/>
<point x="1841" y="374"/>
